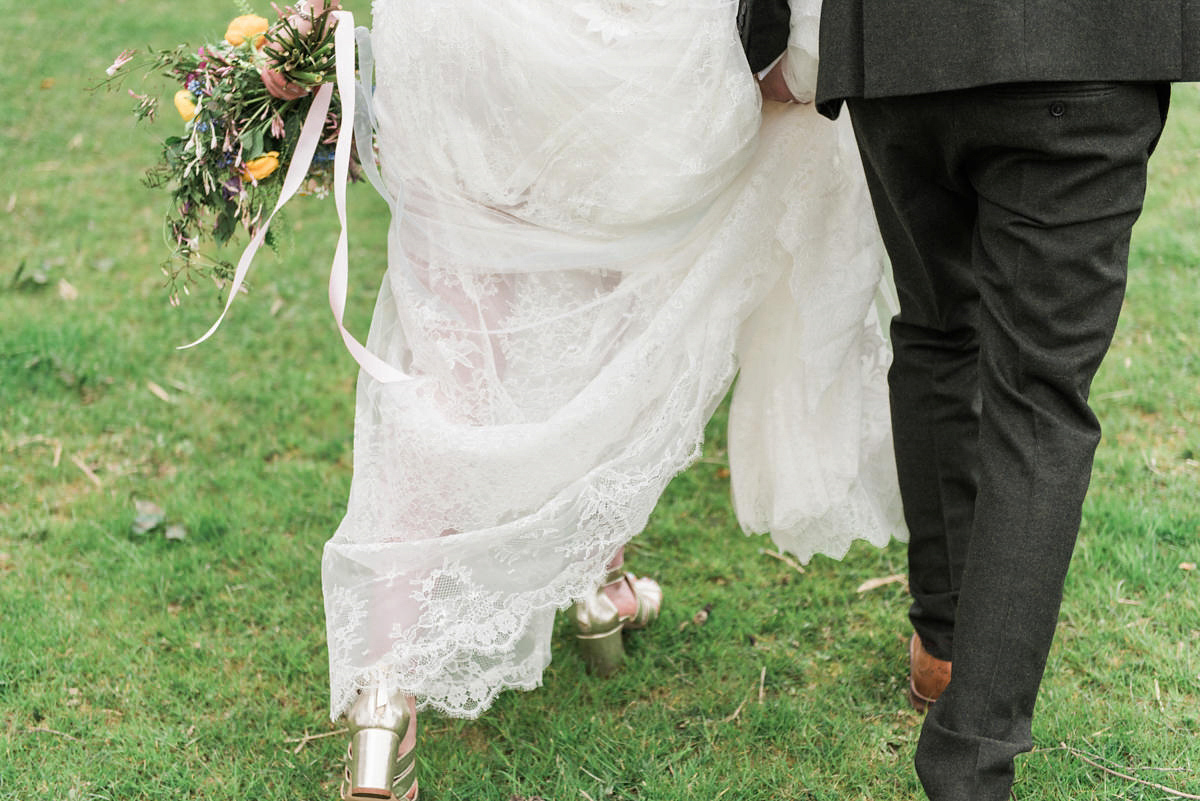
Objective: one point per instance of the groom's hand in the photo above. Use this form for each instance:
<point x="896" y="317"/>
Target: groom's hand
<point x="773" y="85"/>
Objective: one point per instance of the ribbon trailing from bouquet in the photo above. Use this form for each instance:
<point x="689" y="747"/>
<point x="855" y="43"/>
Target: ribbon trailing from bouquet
<point x="354" y="121"/>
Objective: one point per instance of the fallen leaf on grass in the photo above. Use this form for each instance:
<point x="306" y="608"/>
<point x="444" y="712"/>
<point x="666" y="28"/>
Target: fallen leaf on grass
<point x="698" y="619"/>
<point x="876" y="583"/>
<point x="149" y="516"/>
<point x="31" y="278"/>
<point x="158" y="392"/>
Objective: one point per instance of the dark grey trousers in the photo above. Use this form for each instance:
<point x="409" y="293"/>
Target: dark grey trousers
<point x="1006" y="212"/>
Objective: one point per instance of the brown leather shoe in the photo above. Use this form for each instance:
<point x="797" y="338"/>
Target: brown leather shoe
<point x="927" y="675"/>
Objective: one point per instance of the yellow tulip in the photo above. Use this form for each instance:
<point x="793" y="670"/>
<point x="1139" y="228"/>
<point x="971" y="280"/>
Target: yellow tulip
<point x="243" y="27"/>
<point x="261" y="167"/>
<point x="185" y="103"/>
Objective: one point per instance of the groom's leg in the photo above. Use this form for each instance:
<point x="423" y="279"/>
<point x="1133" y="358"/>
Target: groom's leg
<point x="928" y="225"/>
<point x="1060" y="173"/>
<point x="1059" y="176"/>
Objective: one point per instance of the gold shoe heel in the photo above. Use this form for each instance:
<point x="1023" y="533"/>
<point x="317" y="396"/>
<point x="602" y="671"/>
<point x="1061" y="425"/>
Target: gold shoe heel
<point x="598" y="624"/>
<point x="598" y="628"/>
<point x="372" y="763"/>
<point x="374" y="768"/>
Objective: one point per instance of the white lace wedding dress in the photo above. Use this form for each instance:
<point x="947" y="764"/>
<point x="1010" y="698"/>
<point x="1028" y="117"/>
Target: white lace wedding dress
<point x="600" y="229"/>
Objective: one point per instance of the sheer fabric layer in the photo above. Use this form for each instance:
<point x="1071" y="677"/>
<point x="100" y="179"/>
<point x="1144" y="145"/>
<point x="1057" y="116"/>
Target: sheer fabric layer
<point x="596" y="234"/>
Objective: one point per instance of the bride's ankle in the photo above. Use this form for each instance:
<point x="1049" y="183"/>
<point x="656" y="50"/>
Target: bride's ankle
<point x="623" y="597"/>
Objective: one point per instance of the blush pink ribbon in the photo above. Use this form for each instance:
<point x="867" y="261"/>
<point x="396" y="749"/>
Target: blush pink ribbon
<point x="306" y="146"/>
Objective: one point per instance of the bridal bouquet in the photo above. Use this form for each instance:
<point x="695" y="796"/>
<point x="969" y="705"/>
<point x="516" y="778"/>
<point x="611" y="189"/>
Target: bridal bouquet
<point x="243" y="101"/>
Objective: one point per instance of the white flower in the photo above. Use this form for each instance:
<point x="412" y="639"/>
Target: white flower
<point x="121" y="60"/>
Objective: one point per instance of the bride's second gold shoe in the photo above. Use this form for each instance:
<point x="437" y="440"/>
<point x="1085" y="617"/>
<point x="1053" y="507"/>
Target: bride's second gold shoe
<point x="598" y="622"/>
<point x="375" y="768"/>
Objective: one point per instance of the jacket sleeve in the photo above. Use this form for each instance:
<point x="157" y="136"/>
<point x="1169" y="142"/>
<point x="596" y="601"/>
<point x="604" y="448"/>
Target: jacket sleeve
<point x="764" y="26"/>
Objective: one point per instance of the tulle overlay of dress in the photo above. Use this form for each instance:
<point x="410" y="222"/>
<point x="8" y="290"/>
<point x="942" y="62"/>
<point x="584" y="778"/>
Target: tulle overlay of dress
<point x="600" y="228"/>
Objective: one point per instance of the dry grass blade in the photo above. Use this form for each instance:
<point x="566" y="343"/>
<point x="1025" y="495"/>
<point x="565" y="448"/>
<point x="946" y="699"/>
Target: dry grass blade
<point x="308" y="738"/>
<point x="77" y="460"/>
<point x="44" y="730"/>
<point x="876" y="583"/>
<point x="731" y="718"/>
<point x="1087" y="758"/>
<point x="787" y="560"/>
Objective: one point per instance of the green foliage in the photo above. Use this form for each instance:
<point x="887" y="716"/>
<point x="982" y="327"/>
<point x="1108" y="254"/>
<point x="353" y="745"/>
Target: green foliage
<point x="135" y="666"/>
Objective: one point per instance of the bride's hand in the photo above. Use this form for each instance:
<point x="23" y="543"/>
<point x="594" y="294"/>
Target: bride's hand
<point x="773" y="85"/>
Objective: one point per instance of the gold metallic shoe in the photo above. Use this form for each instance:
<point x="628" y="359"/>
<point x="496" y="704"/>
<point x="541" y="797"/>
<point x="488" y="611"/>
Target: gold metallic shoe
<point x="598" y="623"/>
<point x="375" y="768"/>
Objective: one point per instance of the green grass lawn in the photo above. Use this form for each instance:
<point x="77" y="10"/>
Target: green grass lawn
<point x="139" y="666"/>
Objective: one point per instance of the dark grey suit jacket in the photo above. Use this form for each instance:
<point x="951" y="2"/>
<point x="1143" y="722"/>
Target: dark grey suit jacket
<point x="881" y="48"/>
<point x="763" y="25"/>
